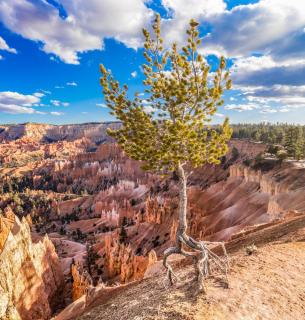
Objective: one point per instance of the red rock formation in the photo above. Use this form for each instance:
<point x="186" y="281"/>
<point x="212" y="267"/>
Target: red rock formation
<point x="81" y="281"/>
<point x="120" y="260"/>
<point x="46" y="132"/>
<point x="109" y="190"/>
<point x="6" y="223"/>
<point x="30" y="275"/>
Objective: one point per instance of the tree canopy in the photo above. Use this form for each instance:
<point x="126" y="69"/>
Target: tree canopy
<point x="170" y="124"/>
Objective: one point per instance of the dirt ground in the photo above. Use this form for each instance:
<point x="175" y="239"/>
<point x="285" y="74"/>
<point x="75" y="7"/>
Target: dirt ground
<point x="268" y="285"/>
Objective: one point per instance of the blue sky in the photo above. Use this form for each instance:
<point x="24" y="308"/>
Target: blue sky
<point x="50" y="53"/>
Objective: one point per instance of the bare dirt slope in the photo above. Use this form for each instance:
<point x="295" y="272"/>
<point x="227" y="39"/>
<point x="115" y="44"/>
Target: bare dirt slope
<point x="267" y="285"/>
<point x="270" y="284"/>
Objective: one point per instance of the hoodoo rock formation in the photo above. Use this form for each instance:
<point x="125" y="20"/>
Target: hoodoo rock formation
<point x="81" y="281"/>
<point x="110" y="222"/>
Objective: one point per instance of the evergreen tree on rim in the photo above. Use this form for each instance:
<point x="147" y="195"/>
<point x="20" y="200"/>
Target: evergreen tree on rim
<point x="176" y="135"/>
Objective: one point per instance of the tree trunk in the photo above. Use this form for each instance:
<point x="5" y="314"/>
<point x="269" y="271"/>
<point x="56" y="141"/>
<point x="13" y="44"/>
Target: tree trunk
<point x="182" y="201"/>
<point x="202" y="260"/>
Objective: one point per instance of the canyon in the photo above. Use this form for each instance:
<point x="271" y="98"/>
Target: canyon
<point x="78" y="218"/>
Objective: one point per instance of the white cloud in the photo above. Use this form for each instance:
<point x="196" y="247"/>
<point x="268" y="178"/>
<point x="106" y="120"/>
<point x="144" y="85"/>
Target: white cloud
<point x="134" y="74"/>
<point x="39" y="94"/>
<point x="56" y="113"/>
<point x="263" y="80"/>
<point x="144" y="101"/>
<point x="102" y="105"/>
<point x="11" y="98"/>
<point x="256" y="28"/>
<point x="59" y="87"/>
<point x="4" y="46"/>
<point x="84" y="112"/>
<point x="72" y="84"/>
<point x="17" y="103"/>
<point x="149" y="109"/>
<point x="194" y="8"/>
<point x="87" y="24"/>
<point x="58" y="103"/>
<point x="264" y="71"/>
<point x="219" y="115"/>
<point x="1" y="58"/>
<point x="40" y="21"/>
<point x="182" y="11"/>
<point x="45" y="91"/>
<point x="55" y="103"/>
<point x="15" y="109"/>
<point x="241" y="107"/>
<point x="266" y="111"/>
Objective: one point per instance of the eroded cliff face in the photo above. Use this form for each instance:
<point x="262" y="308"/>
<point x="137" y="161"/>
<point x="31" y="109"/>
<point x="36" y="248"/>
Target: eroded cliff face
<point x="30" y="275"/>
<point x="83" y="192"/>
<point x="285" y="186"/>
<point x="47" y="133"/>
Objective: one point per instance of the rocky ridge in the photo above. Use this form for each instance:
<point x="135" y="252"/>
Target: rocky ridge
<point x="50" y="133"/>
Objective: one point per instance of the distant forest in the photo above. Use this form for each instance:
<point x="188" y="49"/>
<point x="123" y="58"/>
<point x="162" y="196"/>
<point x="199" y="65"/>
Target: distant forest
<point x="280" y="138"/>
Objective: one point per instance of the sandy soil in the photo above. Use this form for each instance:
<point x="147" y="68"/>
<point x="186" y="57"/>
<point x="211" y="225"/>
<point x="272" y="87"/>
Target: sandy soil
<point x="267" y="285"/>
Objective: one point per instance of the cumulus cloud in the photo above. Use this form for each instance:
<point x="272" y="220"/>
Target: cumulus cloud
<point x="15" y="103"/>
<point x="134" y="74"/>
<point x="264" y="80"/>
<point x="264" y="71"/>
<point x="268" y="50"/>
<point x="10" y="97"/>
<point x="182" y="11"/>
<point x="257" y="28"/>
<point x="15" y="109"/>
<point x="4" y="46"/>
<point x="291" y="96"/>
<point x="86" y="25"/>
<point x="40" y="21"/>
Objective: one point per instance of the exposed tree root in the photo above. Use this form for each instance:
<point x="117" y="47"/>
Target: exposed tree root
<point x="206" y="262"/>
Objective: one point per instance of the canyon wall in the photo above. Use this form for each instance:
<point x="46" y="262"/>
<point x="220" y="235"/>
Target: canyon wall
<point x="285" y="186"/>
<point x="48" y="133"/>
<point x="30" y="274"/>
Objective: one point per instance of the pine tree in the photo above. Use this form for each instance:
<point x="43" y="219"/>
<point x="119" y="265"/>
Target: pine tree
<point x="298" y="143"/>
<point x="281" y="155"/>
<point x="289" y="141"/>
<point x="177" y="134"/>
